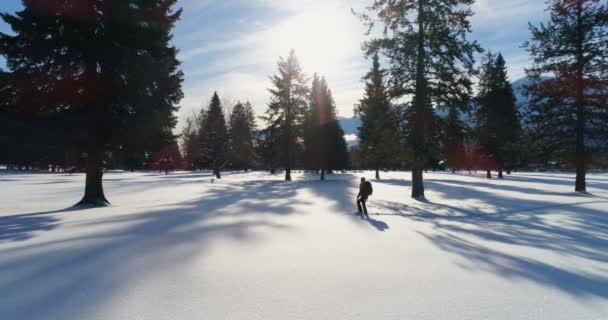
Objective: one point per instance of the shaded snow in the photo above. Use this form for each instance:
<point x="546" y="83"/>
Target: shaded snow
<point x="254" y="247"/>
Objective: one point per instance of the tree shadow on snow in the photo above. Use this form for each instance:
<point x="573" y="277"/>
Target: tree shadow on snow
<point x="340" y="191"/>
<point x="578" y="231"/>
<point x="21" y="227"/>
<point x="65" y="277"/>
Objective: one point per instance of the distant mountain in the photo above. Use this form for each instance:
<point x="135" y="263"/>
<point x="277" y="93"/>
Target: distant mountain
<point x="350" y="125"/>
<point x="351" y="129"/>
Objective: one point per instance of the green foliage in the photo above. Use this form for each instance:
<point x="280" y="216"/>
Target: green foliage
<point x="241" y="140"/>
<point x="498" y="124"/>
<point x="379" y="136"/>
<point x="324" y="144"/>
<point x="214" y="136"/>
<point x="569" y="89"/>
<point x="430" y="61"/>
<point x="287" y="111"/>
<point x="92" y="78"/>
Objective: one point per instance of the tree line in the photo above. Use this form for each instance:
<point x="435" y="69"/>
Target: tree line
<point x="430" y="64"/>
<point x="97" y="84"/>
<point x="301" y="129"/>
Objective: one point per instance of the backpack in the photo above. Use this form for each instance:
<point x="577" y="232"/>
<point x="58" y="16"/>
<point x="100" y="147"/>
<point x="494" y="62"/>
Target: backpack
<point x="368" y="188"/>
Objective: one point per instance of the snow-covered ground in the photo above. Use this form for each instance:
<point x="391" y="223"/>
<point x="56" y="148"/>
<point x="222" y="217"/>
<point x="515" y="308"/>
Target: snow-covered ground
<point x="254" y="247"/>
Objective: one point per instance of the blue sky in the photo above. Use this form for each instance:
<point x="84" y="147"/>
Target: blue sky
<point x="232" y="45"/>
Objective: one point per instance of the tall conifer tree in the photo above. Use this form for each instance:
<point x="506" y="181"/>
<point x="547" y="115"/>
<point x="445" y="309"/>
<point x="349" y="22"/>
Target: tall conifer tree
<point x="379" y="136"/>
<point x="287" y="109"/>
<point x="498" y="125"/>
<point x="570" y="104"/>
<point x="242" y="130"/>
<point x="324" y="144"/>
<point x="99" y="69"/>
<point x="430" y="59"/>
<point x="214" y="137"/>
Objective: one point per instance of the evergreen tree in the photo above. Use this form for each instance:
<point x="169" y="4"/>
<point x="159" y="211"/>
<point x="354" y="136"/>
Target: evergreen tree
<point x="241" y="140"/>
<point x="570" y="104"/>
<point x="266" y="147"/>
<point x="287" y="109"/>
<point x="190" y="143"/>
<point x="430" y="60"/>
<point x="324" y="144"/>
<point x="379" y="132"/>
<point x="98" y="69"/>
<point x="214" y="136"/>
<point x="454" y="138"/>
<point x="498" y="125"/>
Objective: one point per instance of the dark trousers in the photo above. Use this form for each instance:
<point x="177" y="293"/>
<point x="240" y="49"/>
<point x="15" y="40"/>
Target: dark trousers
<point x="360" y="204"/>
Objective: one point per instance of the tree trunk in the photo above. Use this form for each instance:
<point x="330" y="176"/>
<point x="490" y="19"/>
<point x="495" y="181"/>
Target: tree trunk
<point x="217" y="173"/>
<point x="489" y="174"/>
<point x="377" y="174"/>
<point x="288" y="173"/>
<point x="419" y="109"/>
<point x="500" y="176"/>
<point x="508" y="171"/>
<point x="417" y="183"/>
<point x="93" y="191"/>
<point x="322" y="174"/>
<point x="581" y="184"/>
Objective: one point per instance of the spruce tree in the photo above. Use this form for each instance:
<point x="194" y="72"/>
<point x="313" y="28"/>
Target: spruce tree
<point x="498" y="125"/>
<point x="287" y="109"/>
<point x="189" y="142"/>
<point x="430" y="60"/>
<point x="454" y="135"/>
<point x="241" y="140"/>
<point x="570" y="104"/>
<point x="324" y="144"/>
<point x="214" y="137"/>
<point x="379" y="136"/>
<point x="103" y="67"/>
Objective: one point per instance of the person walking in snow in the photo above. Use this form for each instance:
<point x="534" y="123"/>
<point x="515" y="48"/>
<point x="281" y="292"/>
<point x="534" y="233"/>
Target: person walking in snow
<point x="365" y="190"/>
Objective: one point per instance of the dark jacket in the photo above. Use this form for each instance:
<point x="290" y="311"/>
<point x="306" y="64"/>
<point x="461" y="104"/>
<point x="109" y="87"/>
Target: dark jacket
<point x="365" y="189"/>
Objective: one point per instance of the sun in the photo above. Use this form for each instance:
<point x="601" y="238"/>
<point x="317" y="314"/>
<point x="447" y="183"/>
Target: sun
<point x="323" y="39"/>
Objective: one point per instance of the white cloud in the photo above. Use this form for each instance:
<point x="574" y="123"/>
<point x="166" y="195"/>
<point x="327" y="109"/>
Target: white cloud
<point x="327" y="38"/>
<point x="324" y="33"/>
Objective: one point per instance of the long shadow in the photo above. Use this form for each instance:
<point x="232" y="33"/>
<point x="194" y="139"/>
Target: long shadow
<point x="500" y="187"/>
<point x="65" y="278"/>
<point x="341" y="190"/>
<point x="22" y="227"/>
<point x="509" y="266"/>
<point x="580" y="231"/>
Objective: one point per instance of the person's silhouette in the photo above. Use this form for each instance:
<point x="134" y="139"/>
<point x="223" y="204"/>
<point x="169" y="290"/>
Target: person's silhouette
<point x="365" y="190"/>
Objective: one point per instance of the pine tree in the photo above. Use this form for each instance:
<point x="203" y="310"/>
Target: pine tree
<point x="430" y="60"/>
<point x="454" y="136"/>
<point x="241" y="147"/>
<point x="379" y="132"/>
<point x="498" y="125"/>
<point x="324" y="144"/>
<point x="214" y="137"/>
<point x="287" y="109"/>
<point x="189" y="142"/>
<point x="104" y="67"/>
<point x="570" y="104"/>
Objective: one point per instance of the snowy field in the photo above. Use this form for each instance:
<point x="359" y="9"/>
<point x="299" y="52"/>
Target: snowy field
<point x="254" y="247"/>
